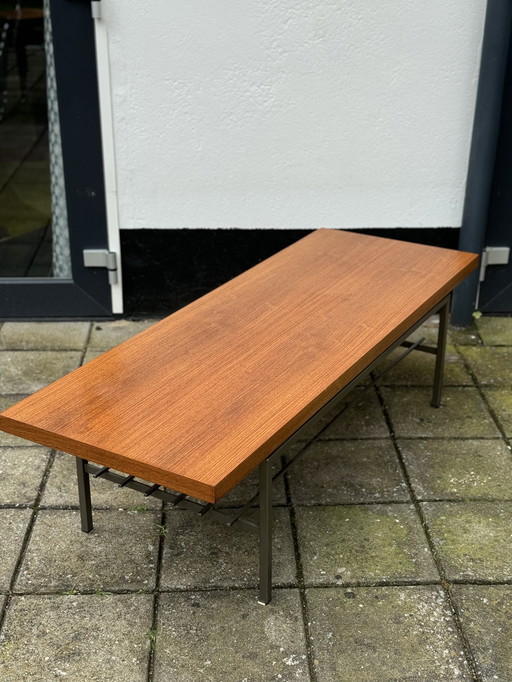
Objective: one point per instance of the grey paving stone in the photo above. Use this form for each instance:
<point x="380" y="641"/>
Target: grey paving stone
<point x="429" y="331"/>
<point x="91" y="355"/>
<point x="313" y="430"/>
<point x="106" y="335"/>
<point x="458" y="469"/>
<point x="472" y="539"/>
<point x="28" y="371"/>
<point x="249" y="486"/>
<point x="61" y="489"/>
<point x="366" y="543"/>
<point x="464" y="336"/>
<point x="500" y="401"/>
<point x="362" y="418"/>
<point x="44" y="335"/>
<point x="417" y="369"/>
<point x="384" y="634"/>
<point x="21" y="472"/>
<point x="6" y="438"/>
<point x="338" y="472"/>
<point x="13" y="523"/>
<point x="492" y="366"/>
<point x="119" y="554"/>
<point x="462" y="414"/>
<point x="495" y="331"/>
<point x="485" y="614"/>
<point x="77" y="638"/>
<point x="204" y="553"/>
<point x="226" y="636"/>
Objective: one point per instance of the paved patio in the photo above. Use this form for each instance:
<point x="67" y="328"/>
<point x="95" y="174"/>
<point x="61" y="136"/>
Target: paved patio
<point x="393" y="540"/>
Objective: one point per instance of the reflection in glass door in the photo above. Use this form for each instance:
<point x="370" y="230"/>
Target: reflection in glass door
<point x="30" y="147"/>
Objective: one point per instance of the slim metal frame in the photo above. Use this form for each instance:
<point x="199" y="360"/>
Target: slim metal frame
<point x="263" y="528"/>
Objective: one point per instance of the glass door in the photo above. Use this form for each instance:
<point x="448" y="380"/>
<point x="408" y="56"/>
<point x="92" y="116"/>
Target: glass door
<point x="52" y="199"/>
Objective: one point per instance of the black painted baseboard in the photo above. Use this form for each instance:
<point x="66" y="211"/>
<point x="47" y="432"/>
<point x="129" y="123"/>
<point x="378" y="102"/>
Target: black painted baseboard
<point x="163" y="270"/>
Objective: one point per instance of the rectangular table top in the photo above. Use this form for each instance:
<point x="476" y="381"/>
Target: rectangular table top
<point x="198" y="400"/>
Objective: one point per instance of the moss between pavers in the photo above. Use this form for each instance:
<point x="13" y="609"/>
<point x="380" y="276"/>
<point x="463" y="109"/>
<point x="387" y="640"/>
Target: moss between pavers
<point x="367" y="543"/>
<point x="472" y="539"/>
<point x="458" y="469"/>
<point x="28" y="371"/>
<point x="463" y="414"/>
<point x="495" y="331"/>
<point x="227" y="637"/>
<point x="492" y="366"/>
<point x="44" y="335"/>
<point x="485" y="615"/>
<point x="119" y="554"/>
<point x="21" y="472"/>
<point x="384" y="634"/>
<point x="77" y="638"/>
<point x="338" y="472"/>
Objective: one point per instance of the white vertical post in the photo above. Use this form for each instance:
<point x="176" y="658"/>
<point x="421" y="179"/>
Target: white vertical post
<point x="108" y="144"/>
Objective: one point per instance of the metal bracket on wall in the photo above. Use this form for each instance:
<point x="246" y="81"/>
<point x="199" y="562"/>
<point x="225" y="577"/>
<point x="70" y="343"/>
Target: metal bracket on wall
<point x="493" y="255"/>
<point x="101" y="258"/>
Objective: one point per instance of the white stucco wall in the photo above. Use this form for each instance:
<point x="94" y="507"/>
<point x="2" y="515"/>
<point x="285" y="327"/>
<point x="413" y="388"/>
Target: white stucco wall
<point x="292" y="113"/>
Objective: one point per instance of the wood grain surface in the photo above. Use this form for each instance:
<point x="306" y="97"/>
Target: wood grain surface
<point x="199" y="399"/>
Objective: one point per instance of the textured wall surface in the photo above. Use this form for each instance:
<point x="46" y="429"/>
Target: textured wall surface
<point x="293" y="113"/>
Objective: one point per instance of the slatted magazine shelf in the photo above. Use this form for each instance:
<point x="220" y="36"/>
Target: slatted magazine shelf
<point x="225" y="385"/>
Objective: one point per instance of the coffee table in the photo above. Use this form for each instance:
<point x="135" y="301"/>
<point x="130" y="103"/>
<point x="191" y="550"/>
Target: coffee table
<point x="225" y="385"/>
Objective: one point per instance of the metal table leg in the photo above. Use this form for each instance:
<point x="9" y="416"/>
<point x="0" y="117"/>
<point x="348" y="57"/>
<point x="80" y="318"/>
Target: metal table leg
<point x="440" y="354"/>
<point x="265" y="531"/>
<point x="84" y="495"/>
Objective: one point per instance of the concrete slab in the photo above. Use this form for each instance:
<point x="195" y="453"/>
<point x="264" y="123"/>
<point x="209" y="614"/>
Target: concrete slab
<point x="21" y="473"/>
<point x="91" y="355"/>
<point x="384" y="634"/>
<point x="458" y="469"/>
<point x="417" y="369"/>
<point x="464" y="336"/>
<point x="61" y="489"/>
<point x="463" y="414"/>
<point x="500" y="401"/>
<point x="6" y="438"/>
<point x="363" y="418"/>
<point x="28" y="371"/>
<point x="339" y="472"/>
<point x="76" y="638"/>
<point x="204" y="553"/>
<point x="485" y="615"/>
<point x="119" y="554"/>
<point x="366" y="543"/>
<point x="106" y="335"/>
<point x="472" y="539"/>
<point x="44" y="335"/>
<point x="14" y="523"/>
<point x="495" y="331"/>
<point x="249" y="486"/>
<point x="492" y="366"/>
<point x="214" y="636"/>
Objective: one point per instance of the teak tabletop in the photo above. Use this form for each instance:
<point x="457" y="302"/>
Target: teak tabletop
<point x="199" y="399"/>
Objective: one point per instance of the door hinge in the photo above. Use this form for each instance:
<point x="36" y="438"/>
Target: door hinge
<point x="96" y="9"/>
<point x="493" y="255"/>
<point x="101" y="258"/>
